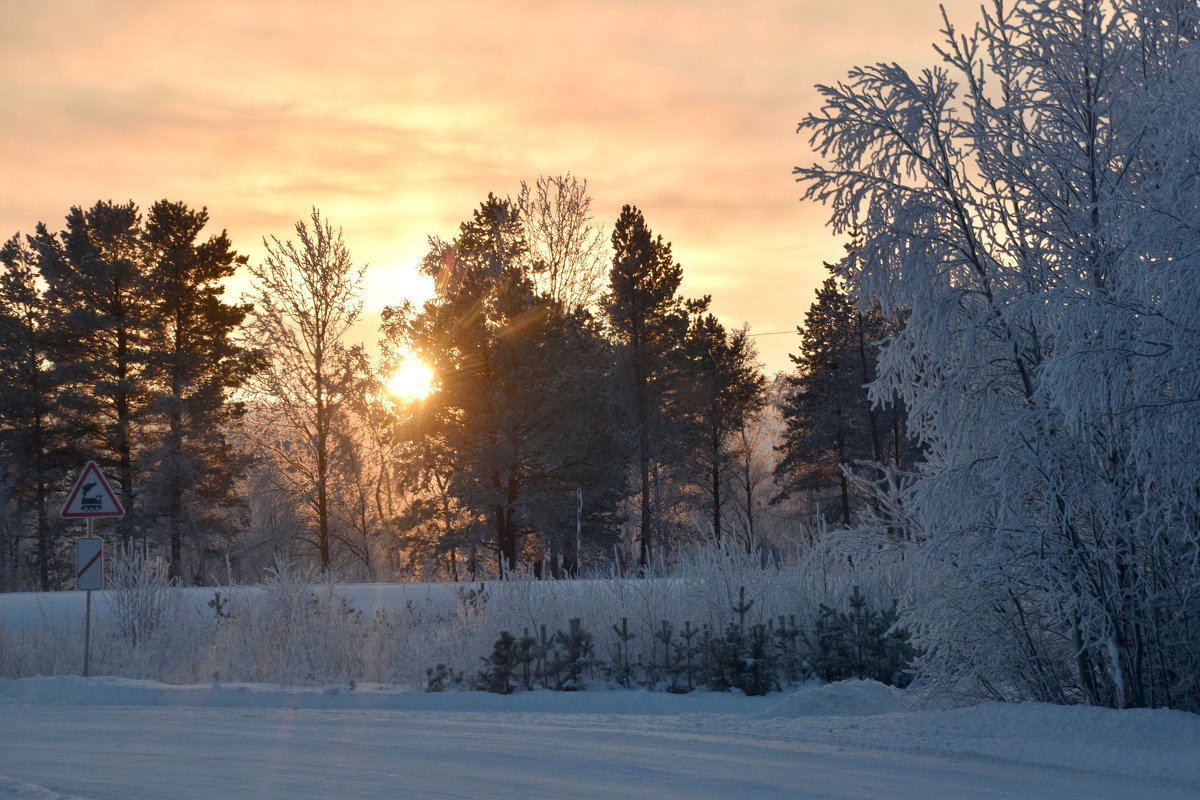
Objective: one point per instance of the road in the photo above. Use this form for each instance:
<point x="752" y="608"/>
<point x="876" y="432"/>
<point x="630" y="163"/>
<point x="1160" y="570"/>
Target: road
<point x="138" y="753"/>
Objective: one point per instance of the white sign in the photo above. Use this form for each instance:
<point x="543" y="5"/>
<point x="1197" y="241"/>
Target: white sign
<point x="89" y="563"/>
<point x="91" y="496"/>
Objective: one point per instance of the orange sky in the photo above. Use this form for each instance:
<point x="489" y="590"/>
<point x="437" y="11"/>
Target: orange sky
<point x="396" y="119"/>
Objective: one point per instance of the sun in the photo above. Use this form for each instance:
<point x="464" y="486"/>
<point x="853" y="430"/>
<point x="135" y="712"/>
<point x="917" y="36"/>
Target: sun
<point x="411" y="380"/>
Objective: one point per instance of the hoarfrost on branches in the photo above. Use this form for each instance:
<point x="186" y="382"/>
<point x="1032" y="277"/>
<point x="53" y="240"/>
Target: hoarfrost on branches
<point x="1031" y="205"/>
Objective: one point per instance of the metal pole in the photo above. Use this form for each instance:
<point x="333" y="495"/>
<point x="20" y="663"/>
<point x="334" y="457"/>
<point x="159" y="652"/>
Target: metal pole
<point x="87" y="634"/>
<point x="87" y="620"/>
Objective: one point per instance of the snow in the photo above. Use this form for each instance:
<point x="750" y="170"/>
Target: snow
<point x="102" y="738"/>
<point x="22" y="609"/>
<point x="845" y="698"/>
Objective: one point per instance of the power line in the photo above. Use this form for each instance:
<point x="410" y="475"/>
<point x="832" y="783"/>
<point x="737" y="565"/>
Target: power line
<point x="772" y="333"/>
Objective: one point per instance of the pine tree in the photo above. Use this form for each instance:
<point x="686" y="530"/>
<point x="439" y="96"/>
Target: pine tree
<point x="139" y="348"/>
<point x="511" y="433"/>
<point x="725" y="388"/>
<point x="102" y="310"/>
<point x="35" y="441"/>
<point x="649" y="321"/>
<point x="197" y="365"/>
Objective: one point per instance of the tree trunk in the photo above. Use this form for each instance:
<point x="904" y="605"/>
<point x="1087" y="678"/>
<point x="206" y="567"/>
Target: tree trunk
<point x="646" y="527"/>
<point x="506" y="541"/>
<point x="844" y="482"/>
<point x="175" y="489"/>
<point x="43" y="545"/>
<point x="643" y="419"/>
<point x="715" y="443"/>
<point x="323" y="503"/>
<point x="322" y="446"/>
<point x="872" y="415"/>
<point x="174" y="512"/>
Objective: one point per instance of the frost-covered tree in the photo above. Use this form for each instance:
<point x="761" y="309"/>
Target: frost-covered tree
<point x="306" y="296"/>
<point x="566" y="247"/>
<point x="1032" y="207"/>
<point x="754" y="459"/>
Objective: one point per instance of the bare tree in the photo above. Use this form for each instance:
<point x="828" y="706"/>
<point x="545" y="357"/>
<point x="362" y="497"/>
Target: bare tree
<point x="306" y="296"/>
<point x="568" y="249"/>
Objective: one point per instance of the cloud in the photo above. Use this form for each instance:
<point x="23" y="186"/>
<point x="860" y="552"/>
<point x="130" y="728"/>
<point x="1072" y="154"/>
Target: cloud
<point x="397" y="119"/>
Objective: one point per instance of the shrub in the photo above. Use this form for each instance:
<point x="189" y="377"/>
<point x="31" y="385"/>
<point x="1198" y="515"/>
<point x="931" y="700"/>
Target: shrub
<point x="861" y="643"/>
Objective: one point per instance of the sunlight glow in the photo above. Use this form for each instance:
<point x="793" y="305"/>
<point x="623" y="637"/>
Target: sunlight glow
<point x="412" y="380"/>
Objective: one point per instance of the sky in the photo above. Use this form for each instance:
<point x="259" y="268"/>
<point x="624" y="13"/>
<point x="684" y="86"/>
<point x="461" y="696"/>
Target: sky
<point x="396" y="119"/>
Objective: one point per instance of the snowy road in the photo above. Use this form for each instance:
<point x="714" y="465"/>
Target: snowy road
<point x="136" y="753"/>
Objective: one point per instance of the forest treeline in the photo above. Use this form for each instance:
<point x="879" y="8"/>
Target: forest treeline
<point x="585" y="415"/>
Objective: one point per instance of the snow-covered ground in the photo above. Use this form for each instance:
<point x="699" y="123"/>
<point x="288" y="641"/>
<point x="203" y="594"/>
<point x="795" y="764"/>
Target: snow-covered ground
<point x="117" y="739"/>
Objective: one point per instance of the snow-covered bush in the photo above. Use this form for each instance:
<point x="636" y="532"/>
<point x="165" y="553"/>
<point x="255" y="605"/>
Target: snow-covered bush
<point x="300" y="629"/>
<point x="722" y="621"/>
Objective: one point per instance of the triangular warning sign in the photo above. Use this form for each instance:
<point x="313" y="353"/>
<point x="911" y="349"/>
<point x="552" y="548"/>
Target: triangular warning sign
<point x="91" y="497"/>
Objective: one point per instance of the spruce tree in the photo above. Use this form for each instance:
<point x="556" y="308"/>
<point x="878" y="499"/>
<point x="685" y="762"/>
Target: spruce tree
<point x="830" y="421"/>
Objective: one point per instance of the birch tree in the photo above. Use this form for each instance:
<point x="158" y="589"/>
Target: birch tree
<point x="306" y="295"/>
<point x="566" y="246"/>
<point x="1031" y="205"/>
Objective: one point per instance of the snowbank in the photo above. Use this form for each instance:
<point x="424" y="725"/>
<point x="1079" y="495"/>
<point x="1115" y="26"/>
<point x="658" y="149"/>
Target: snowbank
<point x="844" y="698"/>
<point x="70" y="691"/>
<point x="1157" y="743"/>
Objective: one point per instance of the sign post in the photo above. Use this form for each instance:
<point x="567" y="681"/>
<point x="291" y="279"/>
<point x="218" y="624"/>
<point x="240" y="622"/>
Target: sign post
<point x="89" y="575"/>
<point x="91" y="497"/>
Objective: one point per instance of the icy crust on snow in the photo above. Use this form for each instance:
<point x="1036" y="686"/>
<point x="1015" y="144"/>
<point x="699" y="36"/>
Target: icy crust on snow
<point x="13" y="789"/>
<point x="1157" y="743"/>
